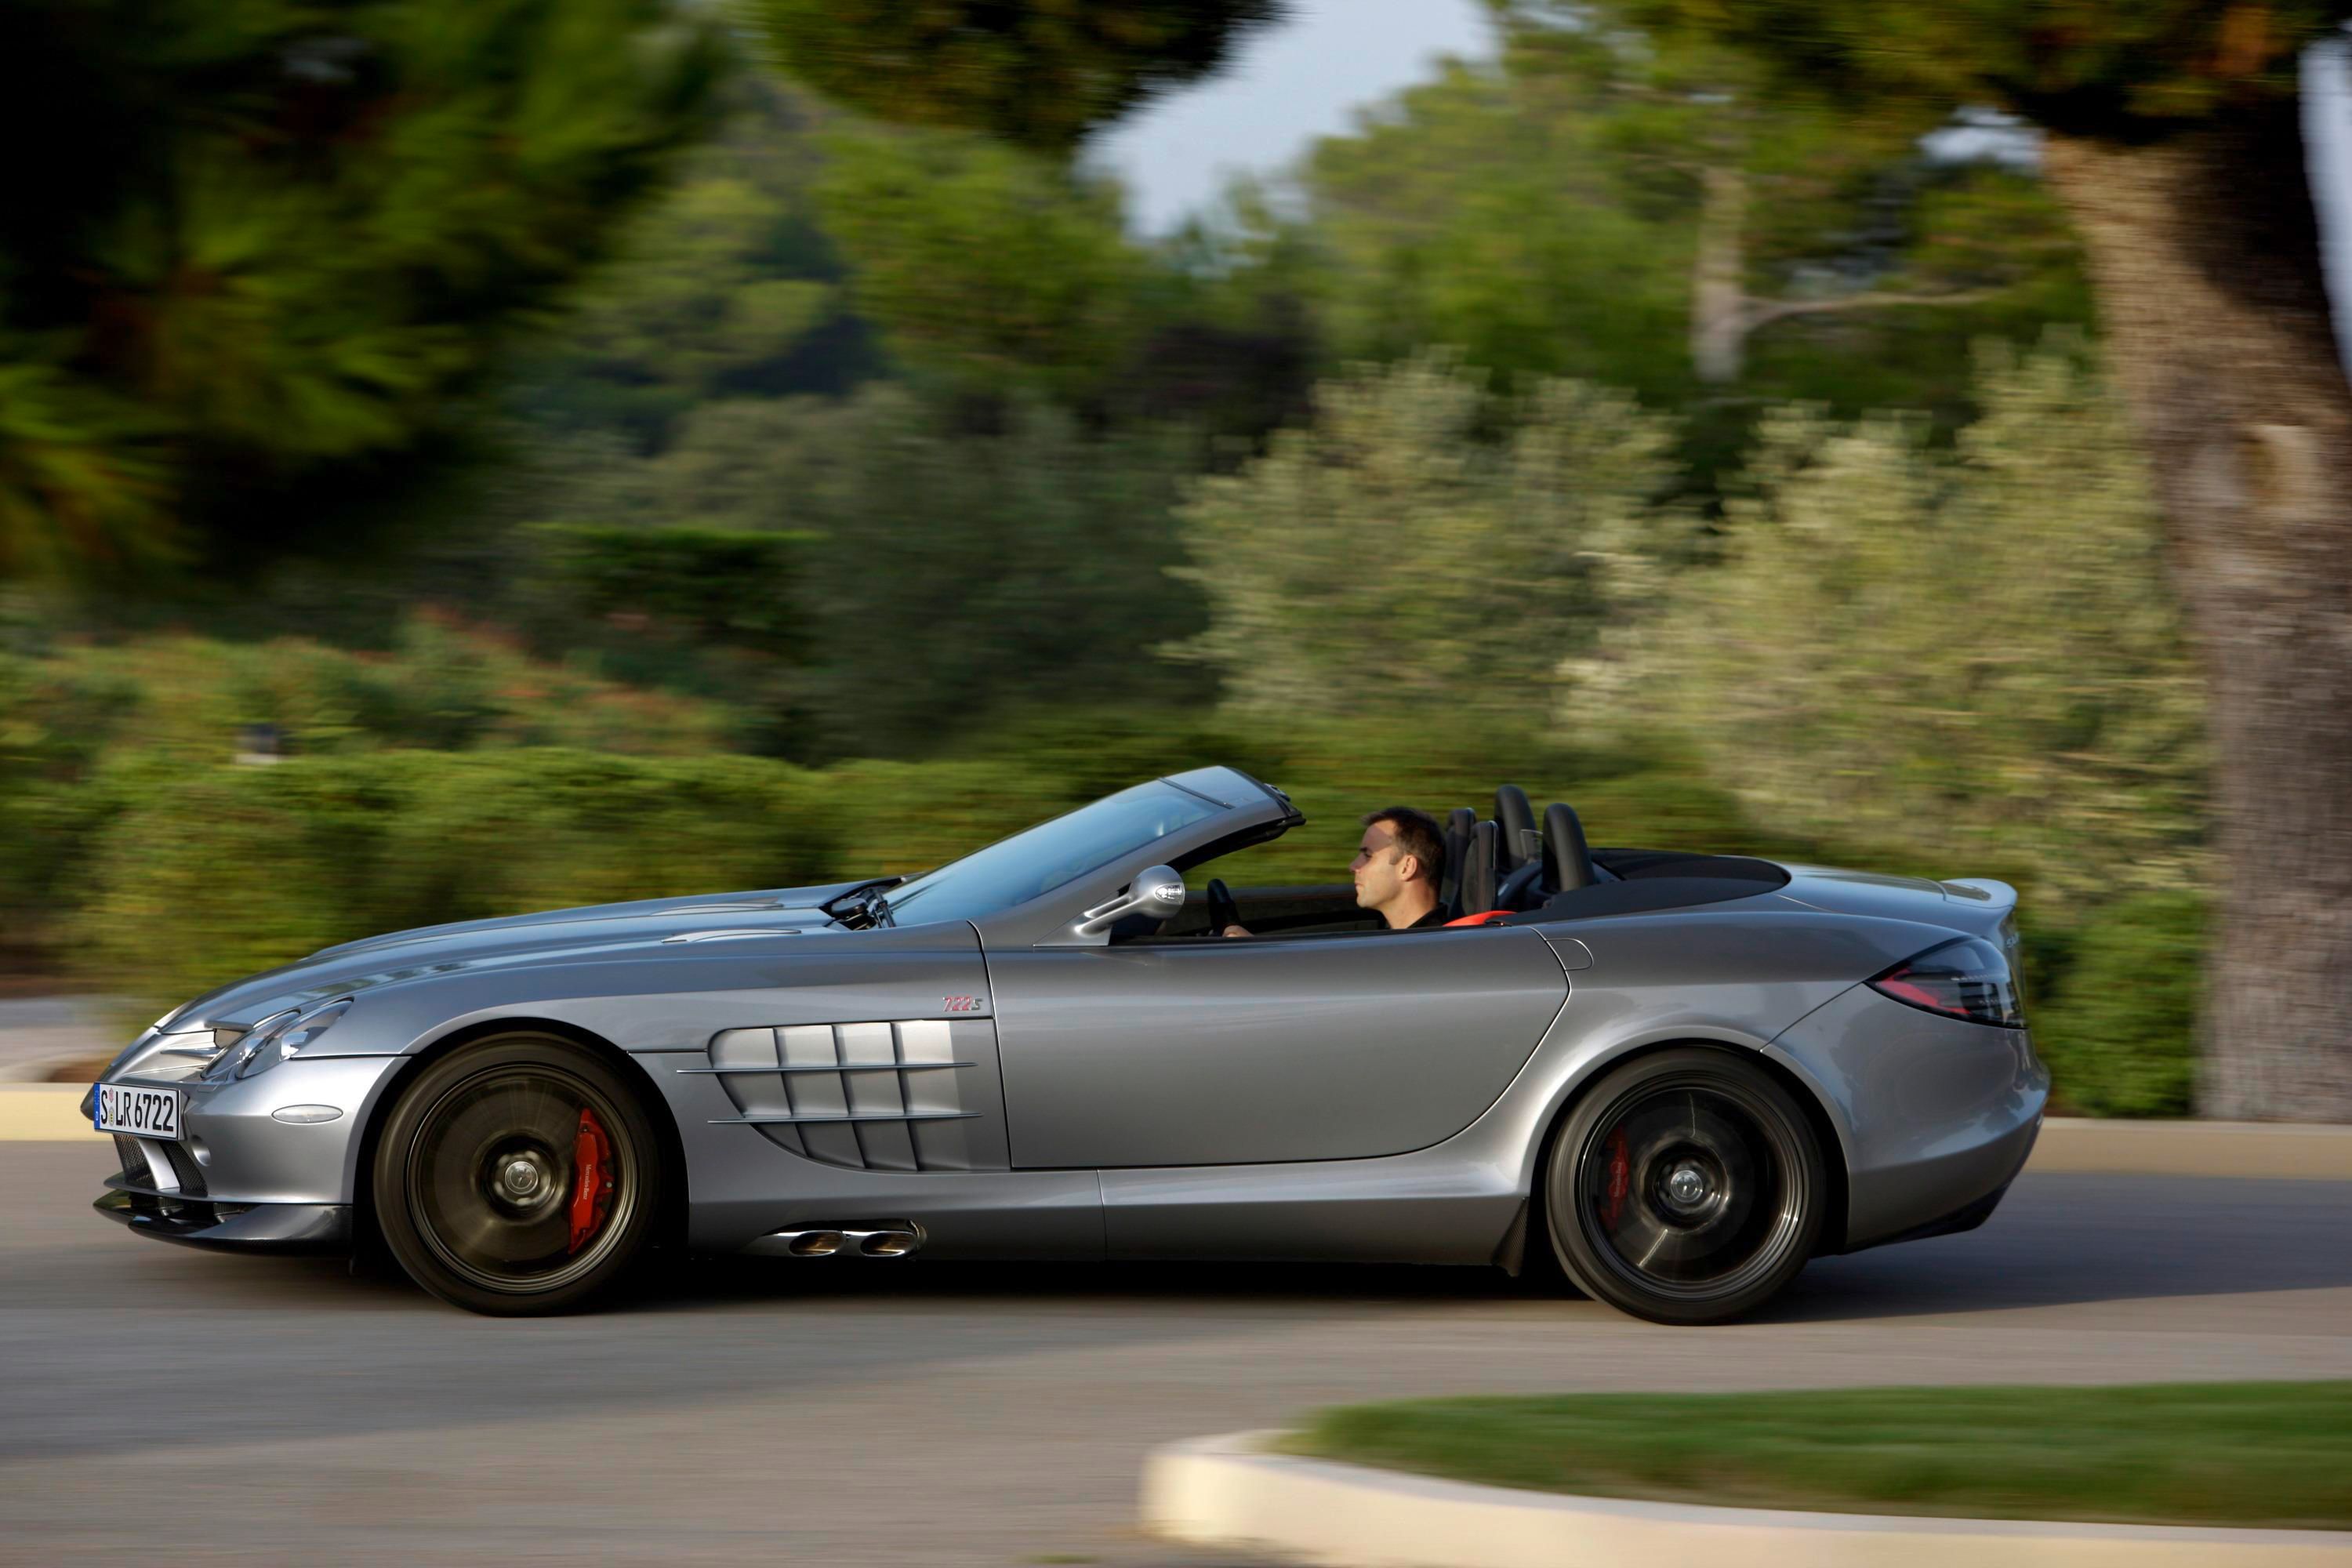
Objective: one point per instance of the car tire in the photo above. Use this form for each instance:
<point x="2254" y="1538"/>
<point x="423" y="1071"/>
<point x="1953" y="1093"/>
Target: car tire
<point x="1684" y="1188"/>
<point x="518" y="1176"/>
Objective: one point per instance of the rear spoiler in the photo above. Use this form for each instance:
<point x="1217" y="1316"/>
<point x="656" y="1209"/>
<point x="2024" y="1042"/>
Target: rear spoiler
<point x="1981" y="898"/>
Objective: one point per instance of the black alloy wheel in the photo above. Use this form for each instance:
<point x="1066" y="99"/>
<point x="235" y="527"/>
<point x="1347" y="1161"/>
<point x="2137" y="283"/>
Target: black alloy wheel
<point x="1686" y="1187"/>
<point x="518" y="1176"/>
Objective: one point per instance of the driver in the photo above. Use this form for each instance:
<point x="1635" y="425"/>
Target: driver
<point x="1396" y="868"/>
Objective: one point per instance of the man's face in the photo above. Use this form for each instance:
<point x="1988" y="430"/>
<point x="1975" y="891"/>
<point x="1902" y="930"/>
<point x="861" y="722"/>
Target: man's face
<point x="1379" y="866"/>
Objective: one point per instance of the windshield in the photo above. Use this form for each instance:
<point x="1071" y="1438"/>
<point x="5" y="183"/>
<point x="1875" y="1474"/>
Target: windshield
<point x="1041" y="858"/>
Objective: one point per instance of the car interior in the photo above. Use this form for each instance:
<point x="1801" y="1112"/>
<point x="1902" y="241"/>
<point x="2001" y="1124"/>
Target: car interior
<point x="1511" y="868"/>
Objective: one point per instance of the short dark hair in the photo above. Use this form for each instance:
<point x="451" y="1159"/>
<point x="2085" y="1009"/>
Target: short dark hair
<point x="1417" y="835"/>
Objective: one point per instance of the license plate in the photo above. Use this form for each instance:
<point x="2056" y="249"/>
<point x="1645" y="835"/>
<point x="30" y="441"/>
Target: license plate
<point x="142" y="1112"/>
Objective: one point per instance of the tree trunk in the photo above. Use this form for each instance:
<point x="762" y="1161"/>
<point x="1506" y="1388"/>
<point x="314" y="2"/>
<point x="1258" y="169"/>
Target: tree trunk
<point x="1718" y="329"/>
<point x="2205" y="255"/>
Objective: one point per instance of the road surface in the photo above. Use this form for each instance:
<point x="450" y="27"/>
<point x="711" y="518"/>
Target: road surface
<point x="160" y="1402"/>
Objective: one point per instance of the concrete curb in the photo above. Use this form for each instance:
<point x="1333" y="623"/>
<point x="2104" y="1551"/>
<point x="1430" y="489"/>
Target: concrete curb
<point x="2302" y="1150"/>
<point x="43" y="1112"/>
<point x="1229" y="1493"/>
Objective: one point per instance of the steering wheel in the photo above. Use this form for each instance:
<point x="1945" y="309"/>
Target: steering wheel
<point x="1222" y="911"/>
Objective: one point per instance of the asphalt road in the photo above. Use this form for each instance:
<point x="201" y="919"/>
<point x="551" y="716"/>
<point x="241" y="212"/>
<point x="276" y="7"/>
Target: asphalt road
<point x="840" y="1412"/>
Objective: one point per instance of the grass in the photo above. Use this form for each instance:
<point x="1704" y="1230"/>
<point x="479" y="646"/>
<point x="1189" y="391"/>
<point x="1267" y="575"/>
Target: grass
<point x="2276" y="1453"/>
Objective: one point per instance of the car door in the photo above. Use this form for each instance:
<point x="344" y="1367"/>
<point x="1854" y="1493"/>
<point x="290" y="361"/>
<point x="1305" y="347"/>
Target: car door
<point x="1253" y="1051"/>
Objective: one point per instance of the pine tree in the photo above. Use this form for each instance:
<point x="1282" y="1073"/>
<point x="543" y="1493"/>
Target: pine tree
<point x="250" y="246"/>
<point x="1037" y="73"/>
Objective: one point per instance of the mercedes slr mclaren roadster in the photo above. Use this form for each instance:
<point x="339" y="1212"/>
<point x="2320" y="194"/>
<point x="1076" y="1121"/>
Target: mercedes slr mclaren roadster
<point x="1681" y="1076"/>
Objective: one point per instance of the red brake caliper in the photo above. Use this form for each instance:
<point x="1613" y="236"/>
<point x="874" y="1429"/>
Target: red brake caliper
<point x="1621" y="1178"/>
<point x="591" y="1179"/>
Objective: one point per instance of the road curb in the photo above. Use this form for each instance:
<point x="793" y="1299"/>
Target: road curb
<point x="1230" y="1492"/>
<point x="43" y="1112"/>
<point x="2300" y="1149"/>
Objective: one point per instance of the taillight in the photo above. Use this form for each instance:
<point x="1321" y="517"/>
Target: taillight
<point x="1969" y="979"/>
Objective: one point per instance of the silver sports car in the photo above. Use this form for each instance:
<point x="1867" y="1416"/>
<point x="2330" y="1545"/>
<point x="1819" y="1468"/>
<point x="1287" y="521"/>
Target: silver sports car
<point x="1681" y="1074"/>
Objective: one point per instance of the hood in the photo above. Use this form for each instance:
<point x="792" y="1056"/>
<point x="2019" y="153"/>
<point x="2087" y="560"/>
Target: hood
<point x="608" y="930"/>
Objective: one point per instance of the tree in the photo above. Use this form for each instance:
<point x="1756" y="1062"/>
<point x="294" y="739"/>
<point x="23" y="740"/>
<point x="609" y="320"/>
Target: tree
<point x="725" y="284"/>
<point x="1595" y="205"/>
<point x="249" y="245"/>
<point x="2172" y="141"/>
<point x="1035" y="73"/>
<point x="1395" y="556"/>
<point x="1018" y="568"/>
<point x="990" y="264"/>
<point x="1975" y="650"/>
<point x="935" y="576"/>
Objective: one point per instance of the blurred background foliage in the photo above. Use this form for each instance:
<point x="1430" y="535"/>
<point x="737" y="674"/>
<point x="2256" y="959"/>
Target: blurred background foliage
<point x="263" y="243"/>
<point x="1652" y="218"/>
<point x="619" y="455"/>
<point x="1975" y="648"/>
<point x="1486" y="539"/>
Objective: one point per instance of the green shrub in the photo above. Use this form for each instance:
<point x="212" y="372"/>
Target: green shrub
<point x="717" y="587"/>
<point x="1395" y="556"/>
<point x="443" y="686"/>
<point x="215" y="872"/>
<point x="1974" y="653"/>
<point x="2120" y="1030"/>
<point x="88" y="729"/>
<point x="55" y="725"/>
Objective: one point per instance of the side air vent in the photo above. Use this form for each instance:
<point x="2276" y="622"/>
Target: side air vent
<point x="918" y="1094"/>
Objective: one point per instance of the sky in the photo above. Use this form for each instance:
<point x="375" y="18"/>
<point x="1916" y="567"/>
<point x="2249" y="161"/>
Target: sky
<point x="1302" y="78"/>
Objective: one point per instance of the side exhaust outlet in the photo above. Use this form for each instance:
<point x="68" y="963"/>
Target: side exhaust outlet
<point x="809" y="1243"/>
<point x="885" y="1243"/>
<point x="884" y="1238"/>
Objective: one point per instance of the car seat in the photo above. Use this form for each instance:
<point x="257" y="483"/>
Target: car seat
<point x="1478" y="880"/>
<point x="1516" y="842"/>
<point x="1459" y="825"/>
<point x="1567" y="862"/>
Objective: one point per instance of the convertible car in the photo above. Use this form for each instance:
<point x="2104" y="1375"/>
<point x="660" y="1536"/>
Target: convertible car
<point x="1680" y="1076"/>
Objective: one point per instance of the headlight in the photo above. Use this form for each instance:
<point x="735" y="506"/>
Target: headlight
<point x="275" y="1038"/>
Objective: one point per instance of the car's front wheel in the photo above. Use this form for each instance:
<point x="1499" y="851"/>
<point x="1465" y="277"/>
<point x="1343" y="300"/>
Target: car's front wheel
<point x="1686" y="1187"/>
<point x="518" y="1175"/>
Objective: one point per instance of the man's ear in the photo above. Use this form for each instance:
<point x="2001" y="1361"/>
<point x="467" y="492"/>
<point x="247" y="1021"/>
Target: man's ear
<point x="1408" y="868"/>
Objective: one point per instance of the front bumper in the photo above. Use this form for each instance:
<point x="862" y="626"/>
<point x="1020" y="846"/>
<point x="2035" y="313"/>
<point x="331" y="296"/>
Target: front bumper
<point x="239" y="1178"/>
<point x="258" y="1227"/>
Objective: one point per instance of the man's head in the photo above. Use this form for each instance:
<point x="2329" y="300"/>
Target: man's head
<point x="1398" y="863"/>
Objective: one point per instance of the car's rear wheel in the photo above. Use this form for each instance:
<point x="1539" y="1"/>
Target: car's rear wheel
<point x="1686" y="1187"/>
<point x="518" y="1175"/>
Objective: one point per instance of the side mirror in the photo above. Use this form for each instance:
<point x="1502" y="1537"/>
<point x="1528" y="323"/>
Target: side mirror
<point x="1157" y="891"/>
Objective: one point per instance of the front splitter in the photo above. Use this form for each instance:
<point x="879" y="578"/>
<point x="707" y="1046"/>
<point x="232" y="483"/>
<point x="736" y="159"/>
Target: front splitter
<point x="259" y="1227"/>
